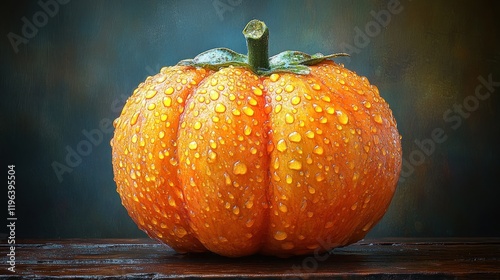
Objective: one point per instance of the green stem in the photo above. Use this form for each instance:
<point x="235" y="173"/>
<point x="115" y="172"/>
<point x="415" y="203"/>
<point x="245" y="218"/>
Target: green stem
<point x="257" y="35"/>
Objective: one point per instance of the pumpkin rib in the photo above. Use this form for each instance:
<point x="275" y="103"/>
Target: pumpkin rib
<point x="183" y="209"/>
<point x="221" y="140"/>
<point x="346" y="125"/>
<point x="177" y="74"/>
<point x="268" y="155"/>
<point x="365" y="103"/>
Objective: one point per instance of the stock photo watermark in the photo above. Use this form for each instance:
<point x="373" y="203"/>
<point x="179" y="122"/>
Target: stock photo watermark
<point x="223" y="6"/>
<point x="363" y="36"/>
<point x="453" y="118"/>
<point x="91" y="139"/>
<point x="311" y="263"/>
<point x="31" y="26"/>
<point x="11" y="217"/>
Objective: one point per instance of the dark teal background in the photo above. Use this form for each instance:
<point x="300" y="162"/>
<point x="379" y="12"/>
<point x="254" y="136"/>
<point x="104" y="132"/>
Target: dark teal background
<point x="74" y="74"/>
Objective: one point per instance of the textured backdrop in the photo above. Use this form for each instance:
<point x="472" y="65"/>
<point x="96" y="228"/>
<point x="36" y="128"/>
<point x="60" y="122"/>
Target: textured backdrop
<point x="67" y="67"/>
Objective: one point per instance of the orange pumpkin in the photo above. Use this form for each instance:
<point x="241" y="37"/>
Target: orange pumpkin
<point x="240" y="154"/>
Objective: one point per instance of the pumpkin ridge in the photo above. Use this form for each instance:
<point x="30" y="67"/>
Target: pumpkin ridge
<point x="178" y="176"/>
<point x="268" y="185"/>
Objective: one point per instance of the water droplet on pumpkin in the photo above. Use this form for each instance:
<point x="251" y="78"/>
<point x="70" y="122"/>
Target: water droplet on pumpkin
<point x="377" y="118"/>
<point x="330" y="110"/>
<point x="355" y="176"/>
<point x="309" y="134"/>
<point x="134" y="118"/>
<point x="367" y="199"/>
<point x="134" y="138"/>
<point x="316" y="87"/>
<point x="239" y="168"/>
<point x="309" y="159"/>
<point x="317" y="108"/>
<point x="318" y="150"/>
<point x="275" y="176"/>
<point x="132" y="174"/>
<point x="167" y="101"/>
<point x="320" y="177"/>
<point x="257" y="91"/>
<point x="280" y="235"/>
<point x="193" y="145"/>
<point x="311" y="190"/>
<point x="342" y="117"/>
<point x="367" y="226"/>
<point x="295" y="164"/>
<point x="150" y="94"/>
<point x="227" y="179"/>
<point x="249" y="204"/>
<point x="252" y="101"/>
<point x="277" y="109"/>
<point x="169" y="90"/>
<point x="249" y="222"/>
<point x="283" y="208"/>
<point x="180" y="231"/>
<point x="366" y="148"/>
<point x="171" y="201"/>
<point x="142" y="142"/>
<point x="281" y="145"/>
<point x="211" y="155"/>
<point x="236" y="210"/>
<point x="295" y="137"/>
<point x="274" y="77"/>
<point x="236" y="112"/>
<point x="248" y="111"/>
<point x="220" y="108"/>
<point x="289" y="88"/>
<point x="214" y="95"/>
<point x="354" y="206"/>
<point x="289" y="118"/>
<point x="247" y="130"/>
<point x="197" y="125"/>
<point x="295" y="100"/>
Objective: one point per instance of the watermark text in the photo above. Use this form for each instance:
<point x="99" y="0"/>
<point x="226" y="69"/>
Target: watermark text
<point x="11" y="217"/>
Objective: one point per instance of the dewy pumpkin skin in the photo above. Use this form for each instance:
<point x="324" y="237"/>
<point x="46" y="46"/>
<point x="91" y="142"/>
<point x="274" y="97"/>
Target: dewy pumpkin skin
<point x="240" y="154"/>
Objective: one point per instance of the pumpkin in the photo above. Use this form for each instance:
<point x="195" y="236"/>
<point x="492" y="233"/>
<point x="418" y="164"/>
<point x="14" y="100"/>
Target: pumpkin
<point x="243" y="154"/>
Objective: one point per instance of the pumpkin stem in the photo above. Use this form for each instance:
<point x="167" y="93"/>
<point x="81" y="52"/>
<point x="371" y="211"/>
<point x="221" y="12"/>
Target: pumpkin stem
<point x="257" y="36"/>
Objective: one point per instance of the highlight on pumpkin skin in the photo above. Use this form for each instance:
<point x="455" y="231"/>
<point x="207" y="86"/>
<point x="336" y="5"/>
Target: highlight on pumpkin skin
<point x="238" y="159"/>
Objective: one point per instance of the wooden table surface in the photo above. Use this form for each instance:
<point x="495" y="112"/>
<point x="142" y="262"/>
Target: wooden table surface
<point x="477" y="258"/>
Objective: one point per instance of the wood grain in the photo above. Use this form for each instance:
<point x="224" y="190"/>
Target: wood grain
<point x="477" y="258"/>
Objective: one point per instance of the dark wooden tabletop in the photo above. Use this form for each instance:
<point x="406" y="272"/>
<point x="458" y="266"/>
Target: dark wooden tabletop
<point x="477" y="258"/>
